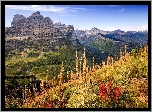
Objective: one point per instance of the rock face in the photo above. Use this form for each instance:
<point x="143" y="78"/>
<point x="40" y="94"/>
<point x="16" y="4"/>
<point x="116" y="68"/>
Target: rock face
<point x="116" y="36"/>
<point x="37" y="25"/>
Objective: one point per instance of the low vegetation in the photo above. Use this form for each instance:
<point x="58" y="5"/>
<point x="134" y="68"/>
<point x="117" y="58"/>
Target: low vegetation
<point x="120" y="83"/>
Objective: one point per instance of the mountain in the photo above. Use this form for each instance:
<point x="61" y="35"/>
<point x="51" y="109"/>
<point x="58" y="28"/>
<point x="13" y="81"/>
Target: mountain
<point x="37" y="35"/>
<point x="106" y="42"/>
<point x="36" y="25"/>
<point x="117" y="35"/>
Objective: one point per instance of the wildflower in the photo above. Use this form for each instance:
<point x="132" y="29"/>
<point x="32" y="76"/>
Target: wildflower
<point x="118" y="92"/>
<point x="107" y="91"/>
<point x="48" y="105"/>
<point x="103" y="91"/>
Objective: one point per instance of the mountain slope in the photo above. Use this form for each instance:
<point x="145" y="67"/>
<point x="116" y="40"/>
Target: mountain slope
<point x="127" y="79"/>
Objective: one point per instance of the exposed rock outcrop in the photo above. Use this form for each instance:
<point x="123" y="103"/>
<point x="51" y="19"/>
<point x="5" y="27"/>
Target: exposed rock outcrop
<point x="37" y="25"/>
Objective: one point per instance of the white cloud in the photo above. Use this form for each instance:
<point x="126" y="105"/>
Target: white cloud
<point x="114" y="5"/>
<point x="79" y="8"/>
<point x="122" y="10"/>
<point x="36" y="8"/>
<point x="52" y="8"/>
<point x="110" y="5"/>
<point x="70" y="9"/>
<point x="8" y="11"/>
<point x="34" y="5"/>
<point x="67" y="15"/>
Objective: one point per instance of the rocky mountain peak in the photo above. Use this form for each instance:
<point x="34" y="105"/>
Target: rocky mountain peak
<point x="37" y="25"/>
<point x="59" y="25"/>
<point x="94" y="28"/>
<point x="36" y="14"/>
<point x="17" y="18"/>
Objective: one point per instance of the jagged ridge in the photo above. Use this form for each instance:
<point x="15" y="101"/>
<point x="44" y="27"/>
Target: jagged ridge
<point x="37" y="25"/>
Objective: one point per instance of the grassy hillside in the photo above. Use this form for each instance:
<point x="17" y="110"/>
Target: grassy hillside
<point x="122" y="83"/>
<point x="25" y="64"/>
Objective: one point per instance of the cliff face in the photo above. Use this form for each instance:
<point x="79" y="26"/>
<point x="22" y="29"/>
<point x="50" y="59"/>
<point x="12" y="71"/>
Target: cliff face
<point x="37" y="25"/>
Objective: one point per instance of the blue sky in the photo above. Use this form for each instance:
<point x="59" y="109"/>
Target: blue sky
<point x="104" y="17"/>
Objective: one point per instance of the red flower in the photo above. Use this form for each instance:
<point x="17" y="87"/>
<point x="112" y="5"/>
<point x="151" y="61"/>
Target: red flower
<point x="109" y="91"/>
<point x="48" y="105"/>
<point x="103" y="90"/>
<point x="118" y="92"/>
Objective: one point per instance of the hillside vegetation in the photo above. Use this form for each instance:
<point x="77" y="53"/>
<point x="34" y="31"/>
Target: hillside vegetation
<point x="116" y="83"/>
